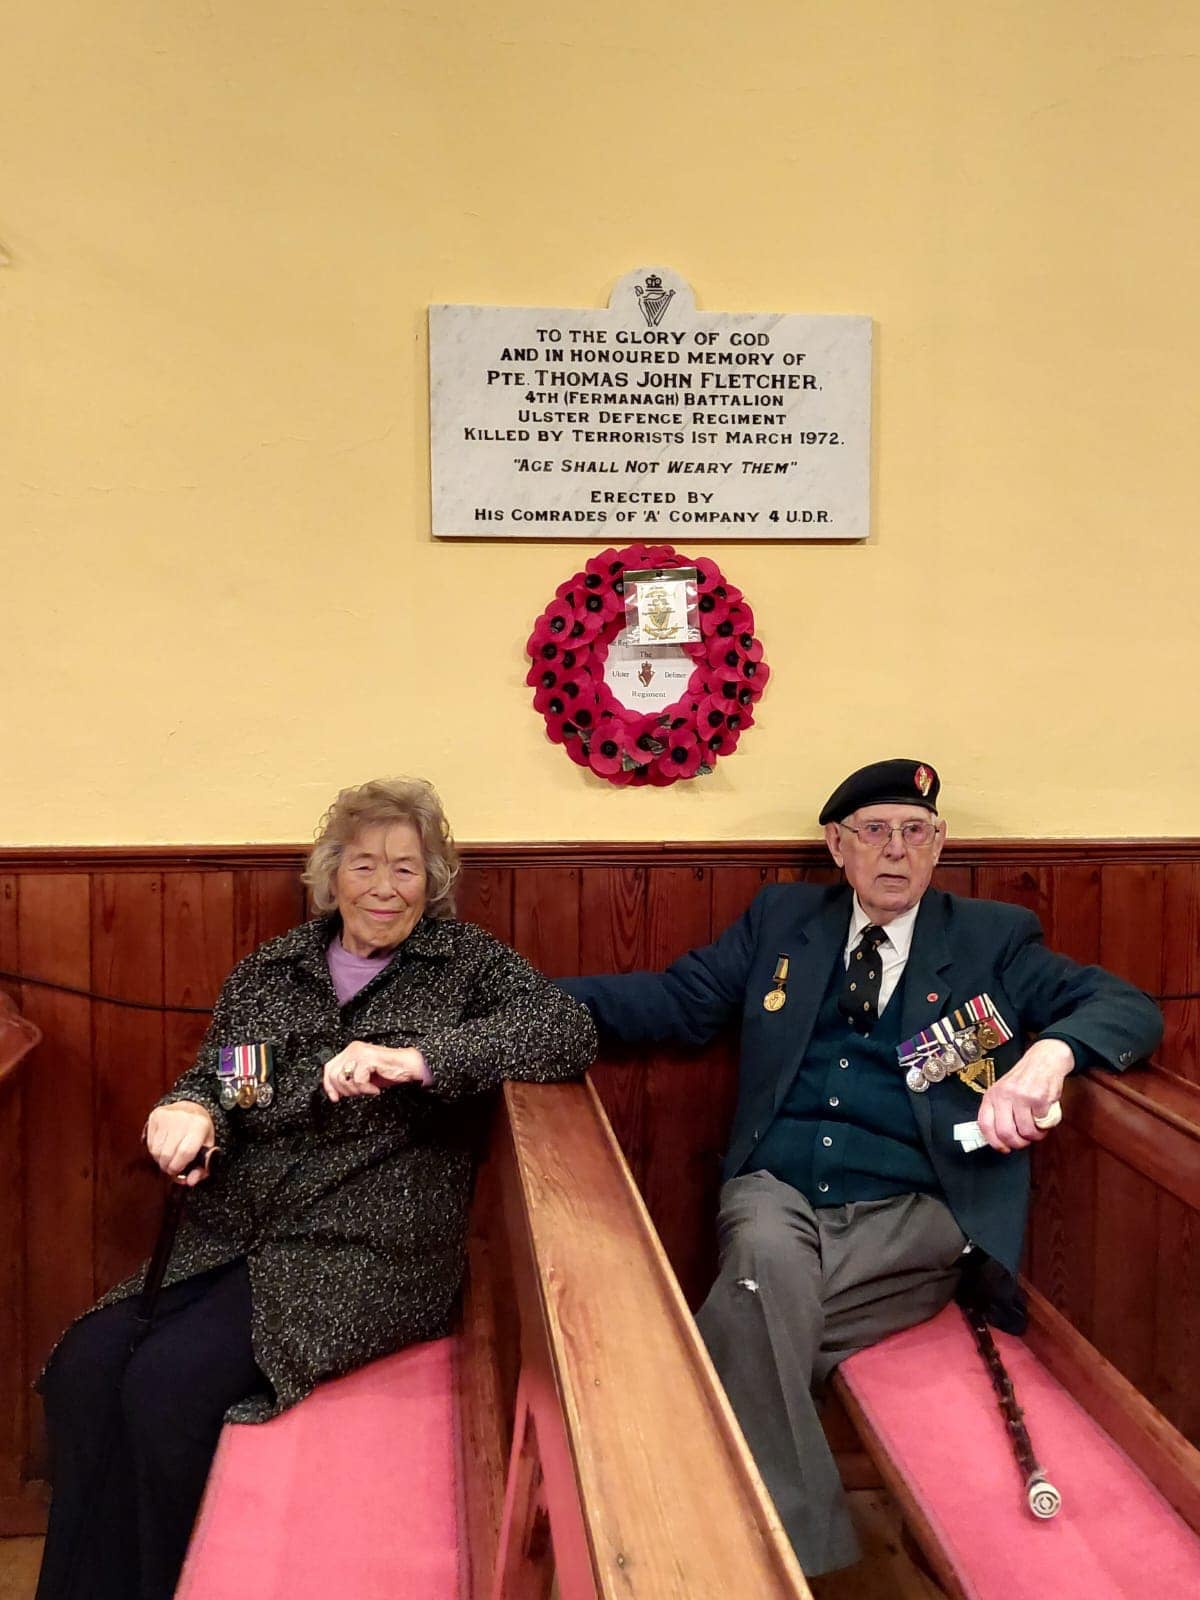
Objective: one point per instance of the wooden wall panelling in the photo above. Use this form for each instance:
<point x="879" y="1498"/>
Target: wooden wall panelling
<point x="127" y="960"/>
<point x="59" y="1155"/>
<point x="818" y="869"/>
<point x="10" y="950"/>
<point x="954" y="880"/>
<point x="13" y="1390"/>
<point x="485" y="896"/>
<point x="733" y="888"/>
<point x="546" y="919"/>
<point x="1131" y="922"/>
<point x="1061" y="1255"/>
<point x="197" y="958"/>
<point x="1124" y="1323"/>
<point x="1030" y="887"/>
<point x="1173" y="1387"/>
<point x="682" y="1144"/>
<point x="1181" y="968"/>
<point x="1075" y="920"/>
<point x="612" y="938"/>
<point x="266" y="900"/>
<point x="55" y="944"/>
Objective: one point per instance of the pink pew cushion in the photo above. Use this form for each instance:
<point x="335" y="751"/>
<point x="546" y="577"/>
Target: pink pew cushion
<point x="352" y="1494"/>
<point x="929" y="1398"/>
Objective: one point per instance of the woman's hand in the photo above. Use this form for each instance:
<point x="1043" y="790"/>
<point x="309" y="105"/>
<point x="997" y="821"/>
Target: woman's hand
<point x="370" y="1068"/>
<point x="176" y="1135"/>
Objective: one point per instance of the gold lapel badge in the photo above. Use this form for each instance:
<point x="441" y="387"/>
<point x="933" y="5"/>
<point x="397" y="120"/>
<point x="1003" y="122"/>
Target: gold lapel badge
<point x="775" y="999"/>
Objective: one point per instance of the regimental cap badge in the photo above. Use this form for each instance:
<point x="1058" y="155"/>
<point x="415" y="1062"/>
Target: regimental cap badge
<point x="923" y="779"/>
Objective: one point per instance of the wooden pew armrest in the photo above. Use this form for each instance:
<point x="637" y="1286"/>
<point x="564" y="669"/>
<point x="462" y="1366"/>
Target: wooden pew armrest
<point x="663" y="1482"/>
<point x="1148" y="1118"/>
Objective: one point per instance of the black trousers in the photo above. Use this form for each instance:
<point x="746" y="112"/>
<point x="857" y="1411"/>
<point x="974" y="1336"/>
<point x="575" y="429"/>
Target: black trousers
<point x="132" y="1435"/>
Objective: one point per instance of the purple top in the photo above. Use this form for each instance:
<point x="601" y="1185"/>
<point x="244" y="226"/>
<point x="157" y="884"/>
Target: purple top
<point x="352" y="973"/>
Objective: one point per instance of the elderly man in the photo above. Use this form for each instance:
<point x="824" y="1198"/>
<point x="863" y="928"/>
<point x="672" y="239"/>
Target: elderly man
<point x="879" y="1019"/>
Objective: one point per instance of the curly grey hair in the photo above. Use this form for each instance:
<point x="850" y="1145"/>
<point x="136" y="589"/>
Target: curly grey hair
<point x="386" y="800"/>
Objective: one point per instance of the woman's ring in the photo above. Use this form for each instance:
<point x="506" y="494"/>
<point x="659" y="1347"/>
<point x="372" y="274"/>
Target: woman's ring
<point x="348" y="1070"/>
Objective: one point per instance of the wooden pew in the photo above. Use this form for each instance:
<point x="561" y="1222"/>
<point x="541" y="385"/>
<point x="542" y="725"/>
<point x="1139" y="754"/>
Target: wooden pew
<point x="1149" y="1122"/>
<point x="597" y="1453"/>
<point x="926" y="1411"/>
<point x="626" y="1472"/>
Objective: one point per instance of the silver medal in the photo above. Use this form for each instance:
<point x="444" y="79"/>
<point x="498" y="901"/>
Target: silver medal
<point x="916" y="1080"/>
<point x="967" y="1043"/>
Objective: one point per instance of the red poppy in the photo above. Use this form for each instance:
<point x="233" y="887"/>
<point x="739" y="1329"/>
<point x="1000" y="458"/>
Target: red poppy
<point x="682" y="755"/>
<point x="754" y="677"/>
<point x="555" y="622"/>
<point x="722" y="742"/>
<point x="728" y="656"/>
<point x="603" y="603"/>
<point x="576" y="749"/>
<point x="556" y="722"/>
<point x="605" y="757"/>
<point x="711" y="713"/>
<point x="585" y="627"/>
<point x="607" y="567"/>
<point x="712" y="612"/>
<point x="550" y="700"/>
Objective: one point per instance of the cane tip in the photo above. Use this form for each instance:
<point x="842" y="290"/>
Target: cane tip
<point x="1044" y="1499"/>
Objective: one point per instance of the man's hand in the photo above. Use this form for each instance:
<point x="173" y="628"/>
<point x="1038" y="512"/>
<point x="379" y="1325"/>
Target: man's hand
<point x="175" y="1136"/>
<point x="370" y="1068"/>
<point x="1028" y="1091"/>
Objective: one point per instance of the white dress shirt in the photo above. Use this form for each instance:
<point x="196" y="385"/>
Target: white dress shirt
<point x="893" y="948"/>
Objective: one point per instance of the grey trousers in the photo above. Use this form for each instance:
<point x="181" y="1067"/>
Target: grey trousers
<point x="798" y="1291"/>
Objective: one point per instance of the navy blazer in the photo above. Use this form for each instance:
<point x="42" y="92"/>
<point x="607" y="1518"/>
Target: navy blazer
<point x="960" y="948"/>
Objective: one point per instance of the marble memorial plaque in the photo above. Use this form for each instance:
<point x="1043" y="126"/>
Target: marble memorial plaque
<point x="649" y="420"/>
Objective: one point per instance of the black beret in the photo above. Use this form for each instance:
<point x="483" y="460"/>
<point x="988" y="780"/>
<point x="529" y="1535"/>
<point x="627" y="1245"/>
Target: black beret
<point x="884" y="783"/>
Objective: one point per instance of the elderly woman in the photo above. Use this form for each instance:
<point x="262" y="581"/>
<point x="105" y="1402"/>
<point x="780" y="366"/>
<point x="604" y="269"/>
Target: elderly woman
<point x="341" y="1079"/>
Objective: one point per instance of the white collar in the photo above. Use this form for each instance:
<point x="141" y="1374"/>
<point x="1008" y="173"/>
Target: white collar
<point x="898" y="933"/>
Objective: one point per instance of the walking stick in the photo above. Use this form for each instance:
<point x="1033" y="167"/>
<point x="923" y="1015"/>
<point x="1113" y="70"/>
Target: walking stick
<point x="1041" y="1496"/>
<point x="156" y="1271"/>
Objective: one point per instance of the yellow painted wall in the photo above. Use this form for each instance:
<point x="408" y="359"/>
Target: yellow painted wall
<point x="220" y="600"/>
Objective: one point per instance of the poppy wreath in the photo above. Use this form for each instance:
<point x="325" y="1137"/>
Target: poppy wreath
<point x="568" y="647"/>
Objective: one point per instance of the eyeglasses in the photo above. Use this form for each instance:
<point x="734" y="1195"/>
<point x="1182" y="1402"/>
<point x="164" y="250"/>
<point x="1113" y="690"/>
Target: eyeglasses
<point x="914" y="835"/>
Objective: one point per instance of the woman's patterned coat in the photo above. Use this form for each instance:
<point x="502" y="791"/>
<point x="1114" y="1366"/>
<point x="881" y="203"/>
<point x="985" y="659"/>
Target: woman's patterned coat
<point x="352" y="1216"/>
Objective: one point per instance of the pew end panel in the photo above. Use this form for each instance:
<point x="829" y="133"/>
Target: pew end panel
<point x="624" y="1445"/>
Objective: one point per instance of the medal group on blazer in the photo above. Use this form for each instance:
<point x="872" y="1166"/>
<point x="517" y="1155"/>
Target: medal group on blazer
<point x="245" y="1075"/>
<point x="958" y="1044"/>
